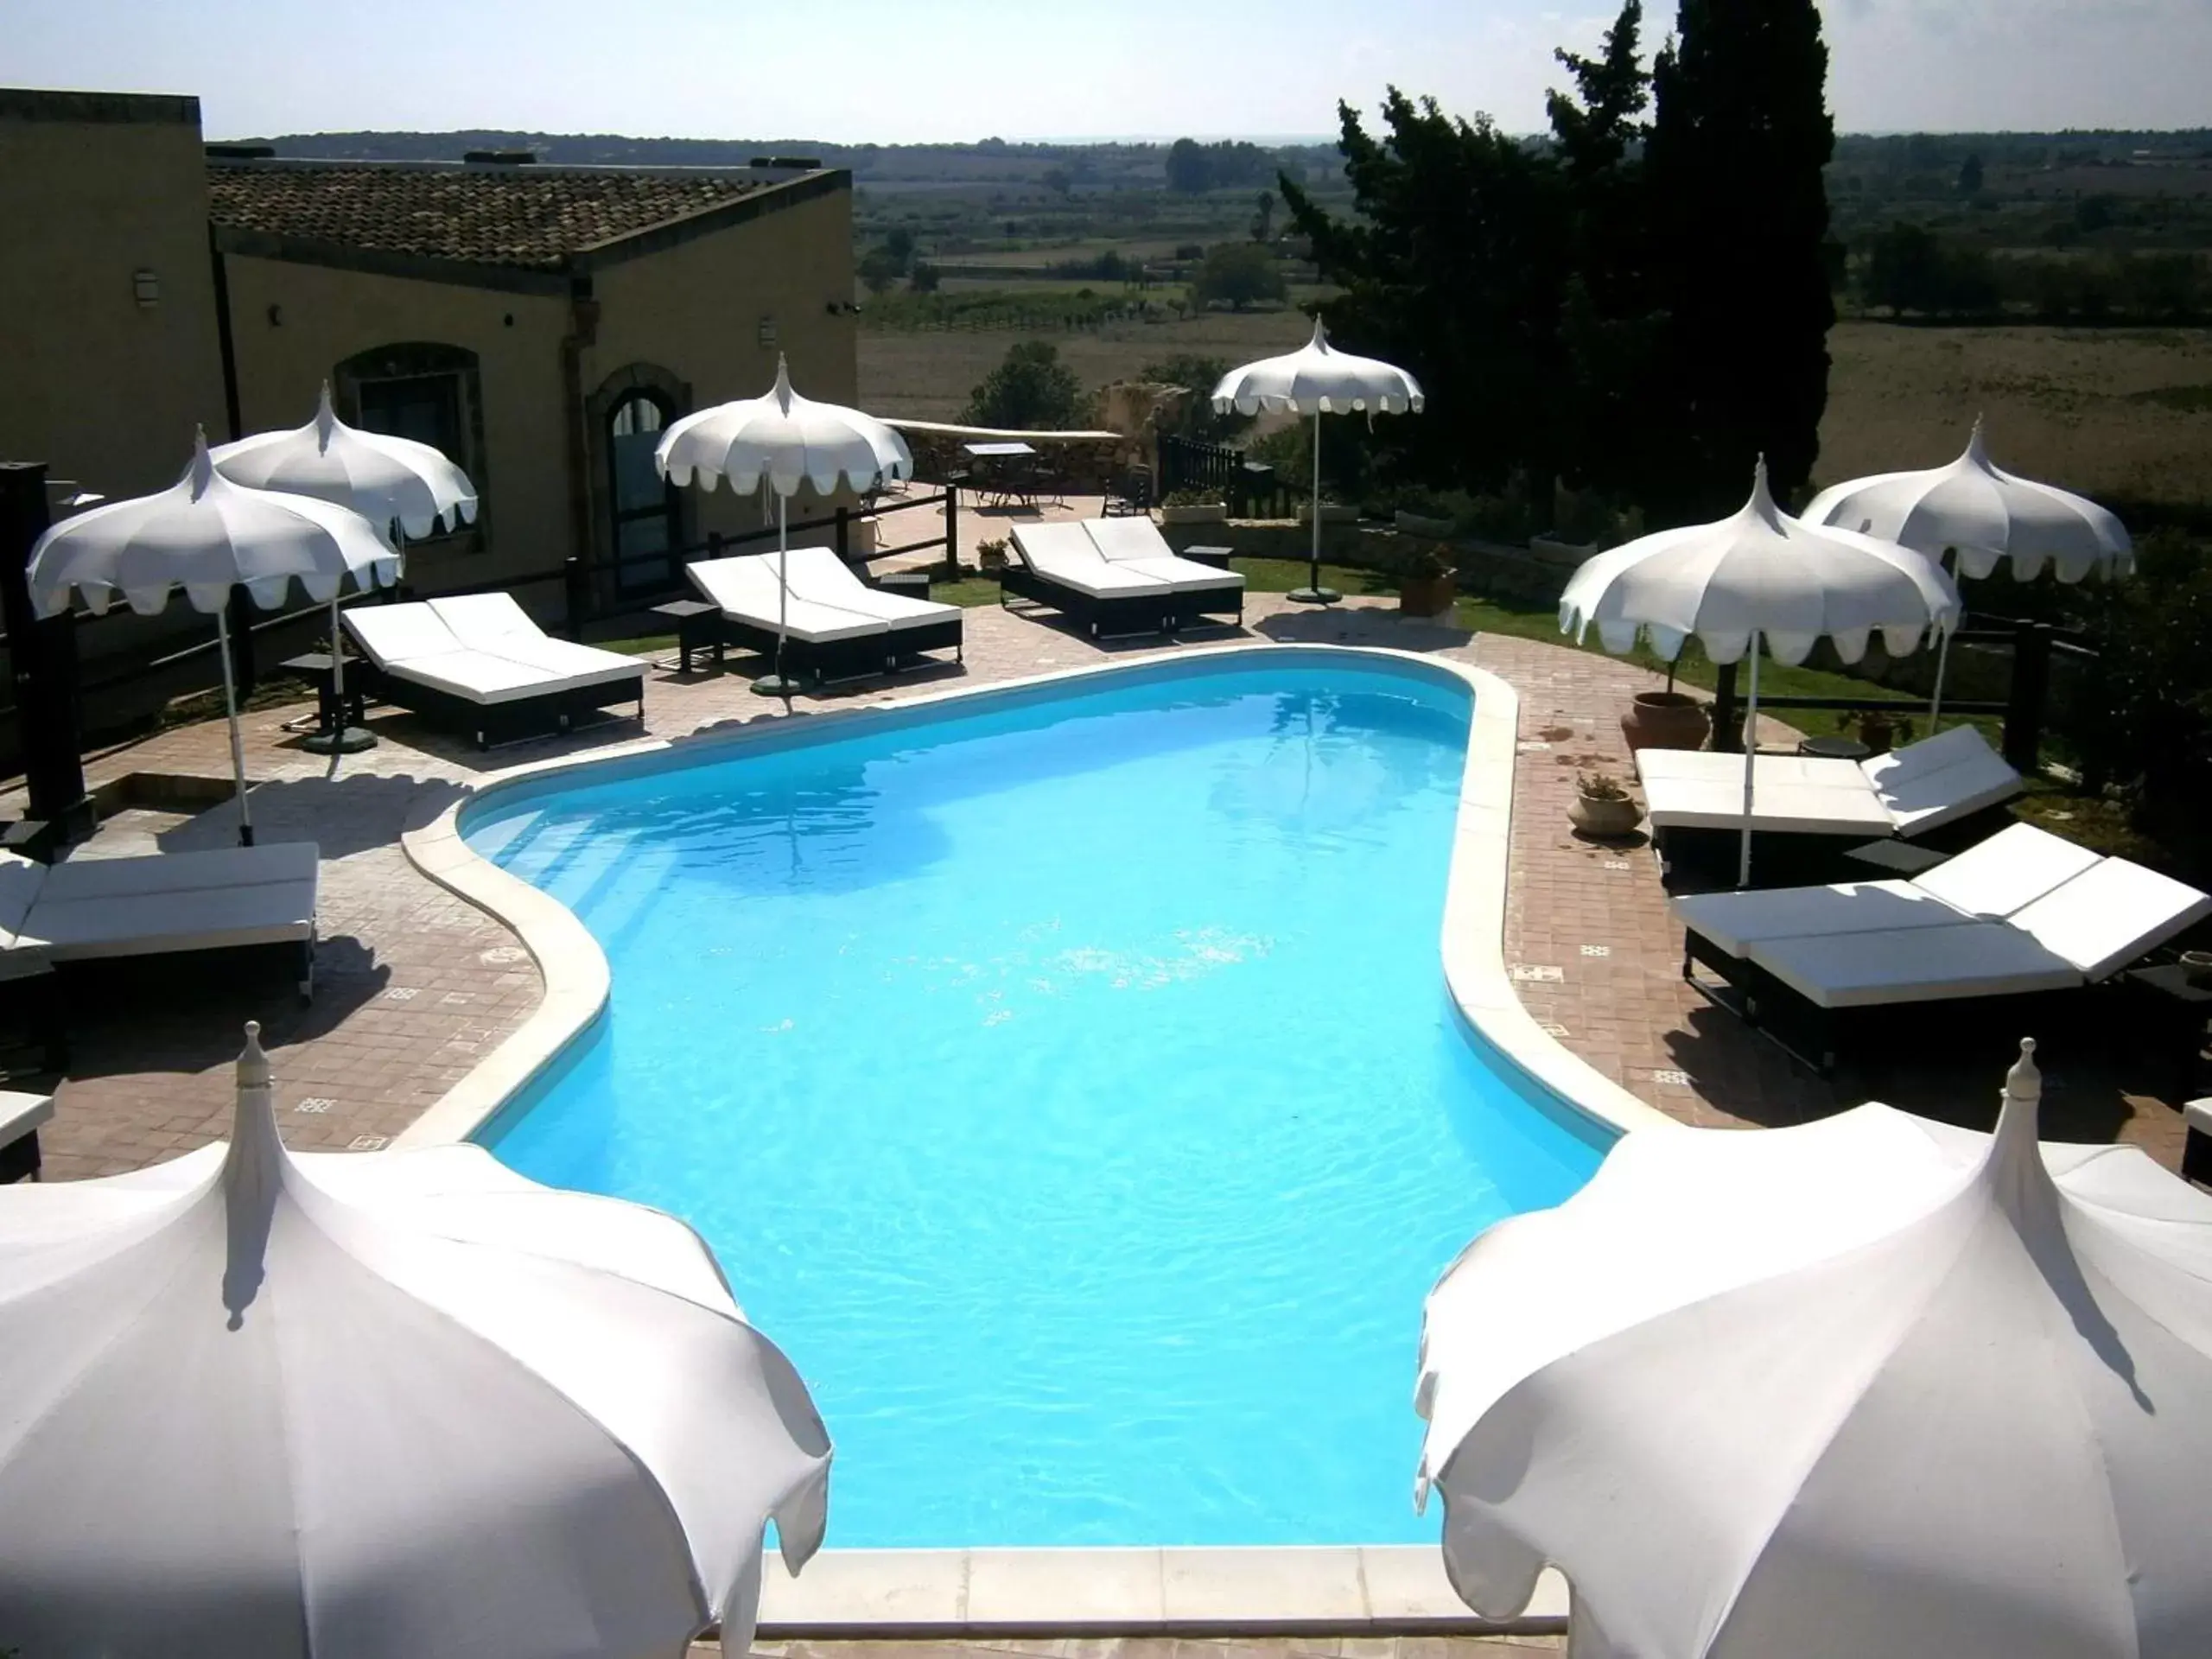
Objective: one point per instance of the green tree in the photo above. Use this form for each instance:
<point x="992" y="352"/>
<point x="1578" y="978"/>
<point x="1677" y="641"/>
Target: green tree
<point x="1189" y="173"/>
<point x="1242" y="273"/>
<point x="1263" y="216"/>
<point x="1740" y="133"/>
<point x="1970" y="175"/>
<point x="899" y="243"/>
<point x="1452" y="267"/>
<point x="924" y="277"/>
<point x="1030" y="390"/>
<point x="879" y="268"/>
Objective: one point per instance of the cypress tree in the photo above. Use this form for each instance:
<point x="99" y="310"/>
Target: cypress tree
<point x="1740" y="133"/>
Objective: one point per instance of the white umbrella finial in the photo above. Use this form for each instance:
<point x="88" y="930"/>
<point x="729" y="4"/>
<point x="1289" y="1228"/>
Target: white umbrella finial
<point x="1762" y="501"/>
<point x="201" y="472"/>
<point x="326" y="420"/>
<point x="782" y="391"/>
<point x="253" y="1173"/>
<point x="1320" y="341"/>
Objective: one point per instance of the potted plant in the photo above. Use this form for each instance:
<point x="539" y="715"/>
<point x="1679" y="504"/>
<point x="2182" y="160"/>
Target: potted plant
<point x="991" y="556"/>
<point x="1876" y="727"/>
<point x="1665" y="720"/>
<point x="1602" y="808"/>
<point x="1427" y="589"/>
<point x="1201" y="506"/>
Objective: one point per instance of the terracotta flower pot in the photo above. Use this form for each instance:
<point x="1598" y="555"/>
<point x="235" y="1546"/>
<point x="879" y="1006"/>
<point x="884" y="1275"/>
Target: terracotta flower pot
<point x="1665" y="720"/>
<point x="1604" y="820"/>
<point x="1427" y="595"/>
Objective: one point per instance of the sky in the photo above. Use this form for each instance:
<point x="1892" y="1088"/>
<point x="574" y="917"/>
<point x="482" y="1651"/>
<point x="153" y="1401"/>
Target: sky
<point x="918" y="71"/>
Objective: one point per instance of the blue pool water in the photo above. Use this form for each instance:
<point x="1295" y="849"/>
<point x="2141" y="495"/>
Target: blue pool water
<point x="1069" y="1087"/>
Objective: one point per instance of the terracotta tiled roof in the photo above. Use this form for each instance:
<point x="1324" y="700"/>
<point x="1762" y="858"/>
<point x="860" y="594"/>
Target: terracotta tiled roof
<point x="522" y="216"/>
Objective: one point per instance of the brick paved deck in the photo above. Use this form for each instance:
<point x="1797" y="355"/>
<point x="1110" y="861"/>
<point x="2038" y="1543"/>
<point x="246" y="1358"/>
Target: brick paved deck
<point x="415" y="984"/>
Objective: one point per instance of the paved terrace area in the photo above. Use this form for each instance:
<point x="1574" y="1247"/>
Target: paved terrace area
<point x="415" y="986"/>
<point x="1296" y="1647"/>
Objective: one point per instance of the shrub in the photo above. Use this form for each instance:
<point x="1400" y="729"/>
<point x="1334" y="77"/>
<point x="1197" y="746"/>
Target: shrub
<point x="1198" y="419"/>
<point x="1239" y="274"/>
<point x="1031" y="390"/>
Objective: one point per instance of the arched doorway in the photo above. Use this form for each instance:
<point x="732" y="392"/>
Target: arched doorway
<point x="643" y="507"/>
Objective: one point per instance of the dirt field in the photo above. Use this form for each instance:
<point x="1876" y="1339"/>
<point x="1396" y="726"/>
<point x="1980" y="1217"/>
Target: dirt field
<point x="2125" y="413"/>
<point x="927" y="376"/>
<point x="2121" y="412"/>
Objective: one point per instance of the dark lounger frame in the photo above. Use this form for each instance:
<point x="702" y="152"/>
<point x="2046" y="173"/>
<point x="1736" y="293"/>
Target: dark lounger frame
<point x="545" y="714"/>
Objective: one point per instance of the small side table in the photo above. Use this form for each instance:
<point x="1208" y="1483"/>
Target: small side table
<point x="1216" y="556"/>
<point x="1835" y="748"/>
<point x="911" y="584"/>
<point x="338" y="719"/>
<point x="697" y="628"/>
<point x="2174" y="1013"/>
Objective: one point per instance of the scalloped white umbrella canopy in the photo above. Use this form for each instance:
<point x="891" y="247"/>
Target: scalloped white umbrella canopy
<point x="380" y="1406"/>
<point x="1318" y="379"/>
<point x="1989" y="515"/>
<point x="383" y="477"/>
<point x="1763" y="572"/>
<point x="785" y="438"/>
<point x="207" y="535"/>
<point x="1875" y="1385"/>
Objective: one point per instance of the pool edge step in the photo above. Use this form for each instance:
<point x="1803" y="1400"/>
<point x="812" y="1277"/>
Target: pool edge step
<point x="935" y="1594"/>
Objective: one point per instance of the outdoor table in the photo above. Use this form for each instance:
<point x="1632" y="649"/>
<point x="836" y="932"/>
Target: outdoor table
<point x="1835" y="748"/>
<point x="1216" y="556"/>
<point x="319" y="669"/>
<point x="695" y="629"/>
<point x="995" y="457"/>
<point x="913" y="584"/>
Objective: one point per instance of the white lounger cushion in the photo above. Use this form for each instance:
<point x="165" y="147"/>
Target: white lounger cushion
<point x="1066" y="554"/>
<point x="1915" y="789"/>
<point x="745" y="587"/>
<point x="1940" y="780"/>
<point x="2007" y="872"/>
<point x="1846" y="970"/>
<point x="2106" y="917"/>
<point x="1137" y="545"/>
<point x="816" y="573"/>
<point x="21" y="1113"/>
<point x="1735" y="921"/>
<point x="1696" y="789"/>
<point x="96" y="907"/>
<point x="482" y="648"/>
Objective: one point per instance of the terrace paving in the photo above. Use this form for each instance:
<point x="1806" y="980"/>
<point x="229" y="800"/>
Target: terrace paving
<point x="1402" y="1647"/>
<point x="415" y="985"/>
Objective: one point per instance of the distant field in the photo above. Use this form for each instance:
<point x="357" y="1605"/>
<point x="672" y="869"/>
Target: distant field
<point x="927" y="376"/>
<point x="2121" y="412"/>
<point x="2125" y="413"/>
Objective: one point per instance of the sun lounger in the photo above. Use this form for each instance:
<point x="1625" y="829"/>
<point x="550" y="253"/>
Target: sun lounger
<point x="917" y="625"/>
<point x="1908" y="793"/>
<point x="822" y="641"/>
<point x="477" y="661"/>
<point x="21" y="1115"/>
<point x="1196" y="590"/>
<point x="1060" y="565"/>
<point x="2022" y="913"/>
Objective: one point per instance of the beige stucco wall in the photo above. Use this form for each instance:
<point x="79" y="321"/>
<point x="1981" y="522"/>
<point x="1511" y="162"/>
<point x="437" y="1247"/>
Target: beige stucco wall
<point x="326" y="315"/>
<point x="692" y="309"/>
<point x="104" y="390"/>
<point x="696" y="310"/>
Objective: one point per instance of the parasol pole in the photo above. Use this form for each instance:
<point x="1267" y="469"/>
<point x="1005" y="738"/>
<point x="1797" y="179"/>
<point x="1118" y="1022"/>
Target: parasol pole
<point x="1750" y="761"/>
<point x="230" y="708"/>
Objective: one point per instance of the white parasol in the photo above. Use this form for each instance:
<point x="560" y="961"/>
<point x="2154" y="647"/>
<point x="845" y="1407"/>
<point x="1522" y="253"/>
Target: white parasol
<point x="777" y="441"/>
<point x="207" y="535"/>
<point x="380" y="1406"/>
<point x="1317" y="379"/>
<point x="1874" y="1385"/>
<point x="1984" y="515"/>
<point x="1758" y="575"/>
<point x="387" y="479"/>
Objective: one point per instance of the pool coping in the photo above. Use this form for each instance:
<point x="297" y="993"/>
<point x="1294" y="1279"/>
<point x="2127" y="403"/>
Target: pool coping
<point x="1343" y="1590"/>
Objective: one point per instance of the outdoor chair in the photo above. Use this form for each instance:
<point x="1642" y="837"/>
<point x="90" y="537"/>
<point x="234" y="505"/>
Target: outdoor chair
<point x="21" y="1115"/>
<point x="822" y="642"/>
<point x="2021" y="914"/>
<point x="477" y="663"/>
<point x="818" y="575"/>
<point x="1809" y="803"/>
<point x="1197" y="592"/>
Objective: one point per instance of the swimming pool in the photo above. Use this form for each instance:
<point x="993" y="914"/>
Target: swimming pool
<point x="1067" y="1082"/>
